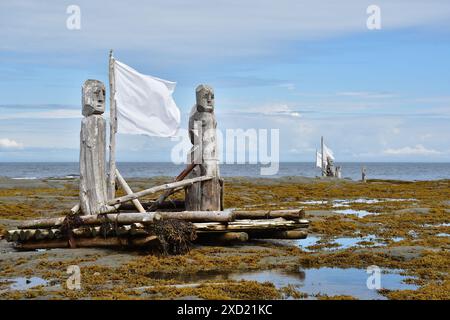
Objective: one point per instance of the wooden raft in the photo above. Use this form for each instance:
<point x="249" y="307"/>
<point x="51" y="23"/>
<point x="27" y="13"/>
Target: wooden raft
<point x="130" y="228"/>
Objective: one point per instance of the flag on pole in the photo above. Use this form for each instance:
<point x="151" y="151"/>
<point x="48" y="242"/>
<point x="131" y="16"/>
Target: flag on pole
<point x="318" y="159"/>
<point x="144" y="103"/>
<point x="327" y="152"/>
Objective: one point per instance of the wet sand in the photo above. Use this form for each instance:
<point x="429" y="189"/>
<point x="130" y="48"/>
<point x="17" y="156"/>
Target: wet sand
<point x="401" y="227"/>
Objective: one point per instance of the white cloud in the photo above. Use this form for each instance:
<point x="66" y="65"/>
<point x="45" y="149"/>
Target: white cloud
<point x="10" y="144"/>
<point x="275" y="109"/>
<point x="45" y="114"/>
<point x="418" y="150"/>
<point x="366" y="94"/>
<point x="181" y="29"/>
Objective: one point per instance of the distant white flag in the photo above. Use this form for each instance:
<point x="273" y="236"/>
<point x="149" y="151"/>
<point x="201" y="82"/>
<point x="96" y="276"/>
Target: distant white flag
<point x="327" y="152"/>
<point x="144" y="103"/>
<point x="318" y="159"/>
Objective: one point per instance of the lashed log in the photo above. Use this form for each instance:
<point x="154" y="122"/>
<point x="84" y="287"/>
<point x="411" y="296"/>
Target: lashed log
<point x="199" y="216"/>
<point x="120" y="218"/>
<point x="163" y="187"/>
<point x="129" y="218"/>
<point x="287" y="234"/>
<point x="82" y="232"/>
<point x="12" y="235"/>
<point x="249" y="225"/>
<point x="165" y="205"/>
<point x="223" y="237"/>
<point x="116" y="203"/>
<point x="88" y="243"/>
<point x="167" y="193"/>
<point x="25" y="235"/>
<point x="128" y="191"/>
<point x="270" y="214"/>
<point x="75" y="209"/>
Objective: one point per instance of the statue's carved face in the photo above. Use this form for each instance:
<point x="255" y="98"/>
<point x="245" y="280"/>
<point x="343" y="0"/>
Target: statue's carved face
<point x="205" y="98"/>
<point x="93" y="97"/>
<point x="99" y="96"/>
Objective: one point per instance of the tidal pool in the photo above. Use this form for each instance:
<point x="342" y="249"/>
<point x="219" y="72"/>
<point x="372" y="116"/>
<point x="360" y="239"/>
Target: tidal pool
<point x="22" y="283"/>
<point x="342" y="242"/>
<point x="317" y="281"/>
<point x="359" y="213"/>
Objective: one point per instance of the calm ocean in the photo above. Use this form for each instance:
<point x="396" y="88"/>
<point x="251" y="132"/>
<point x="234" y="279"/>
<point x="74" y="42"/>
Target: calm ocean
<point x="375" y="170"/>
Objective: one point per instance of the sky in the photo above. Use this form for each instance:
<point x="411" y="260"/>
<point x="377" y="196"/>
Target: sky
<point x="306" y="68"/>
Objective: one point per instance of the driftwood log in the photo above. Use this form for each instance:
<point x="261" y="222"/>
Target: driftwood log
<point x="249" y="225"/>
<point x="285" y="234"/>
<point x="269" y="214"/>
<point x="111" y="184"/>
<point x="173" y="205"/>
<point x="199" y="216"/>
<point x="88" y="243"/>
<point x="120" y="218"/>
<point x="129" y="218"/>
<point x="128" y="191"/>
<point x="167" y="193"/>
<point x="163" y="187"/>
<point x="223" y="237"/>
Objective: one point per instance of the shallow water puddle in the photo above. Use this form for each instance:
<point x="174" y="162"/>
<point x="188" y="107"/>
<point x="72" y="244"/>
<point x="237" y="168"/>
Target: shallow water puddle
<point x="22" y="283"/>
<point x="445" y="224"/>
<point x="343" y="242"/>
<point x="312" y="202"/>
<point x="359" y="213"/>
<point x="337" y="203"/>
<point x="329" y="281"/>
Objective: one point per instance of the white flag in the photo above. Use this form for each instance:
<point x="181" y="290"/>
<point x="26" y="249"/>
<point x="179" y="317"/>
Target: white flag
<point x="327" y="152"/>
<point x="318" y="159"/>
<point x="144" y="103"/>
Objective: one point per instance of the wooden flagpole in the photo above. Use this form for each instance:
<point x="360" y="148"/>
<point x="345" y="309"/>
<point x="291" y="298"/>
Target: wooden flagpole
<point x="323" y="158"/>
<point x="113" y="129"/>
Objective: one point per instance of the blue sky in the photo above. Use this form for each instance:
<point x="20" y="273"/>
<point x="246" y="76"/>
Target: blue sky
<point x="307" y="68"/>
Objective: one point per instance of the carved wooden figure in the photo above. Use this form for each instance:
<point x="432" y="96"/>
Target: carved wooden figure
<point x="205" y="195"/>
<point x="93" y="149"/>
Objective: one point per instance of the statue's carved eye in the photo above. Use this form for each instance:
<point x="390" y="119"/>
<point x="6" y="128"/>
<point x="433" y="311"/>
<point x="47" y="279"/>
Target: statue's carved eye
<point x="212" y="97"/>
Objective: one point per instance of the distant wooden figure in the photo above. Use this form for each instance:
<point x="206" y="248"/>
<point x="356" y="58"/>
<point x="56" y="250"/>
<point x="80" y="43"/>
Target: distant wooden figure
<point x="338" y="173"/>
<point x="363" y="174"/>
<point x="206" y="195"/>
<point x="93" y="149"/>
<point x="329" y="170"/>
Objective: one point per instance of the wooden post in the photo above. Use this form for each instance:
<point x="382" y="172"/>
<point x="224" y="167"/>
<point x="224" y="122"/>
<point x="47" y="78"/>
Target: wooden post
<point x="93" y="195"/>
<point x="323" y="157"/>
<point x="205" y="195"/>
<point x="112" y="129"/>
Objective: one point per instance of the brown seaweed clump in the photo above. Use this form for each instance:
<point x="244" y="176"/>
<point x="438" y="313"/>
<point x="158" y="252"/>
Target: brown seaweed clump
<point x="175" y="236"/>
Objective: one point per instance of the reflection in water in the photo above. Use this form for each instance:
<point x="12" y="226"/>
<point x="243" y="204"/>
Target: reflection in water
<point x="329" y="281"/>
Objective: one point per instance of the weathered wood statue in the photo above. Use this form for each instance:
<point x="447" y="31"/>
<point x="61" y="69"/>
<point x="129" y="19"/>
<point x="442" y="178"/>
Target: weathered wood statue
<point x="338" y="172"/>
<point x="329" y="170"/>
<point x="93" y="149"/>
<point x="205" y="195"/>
